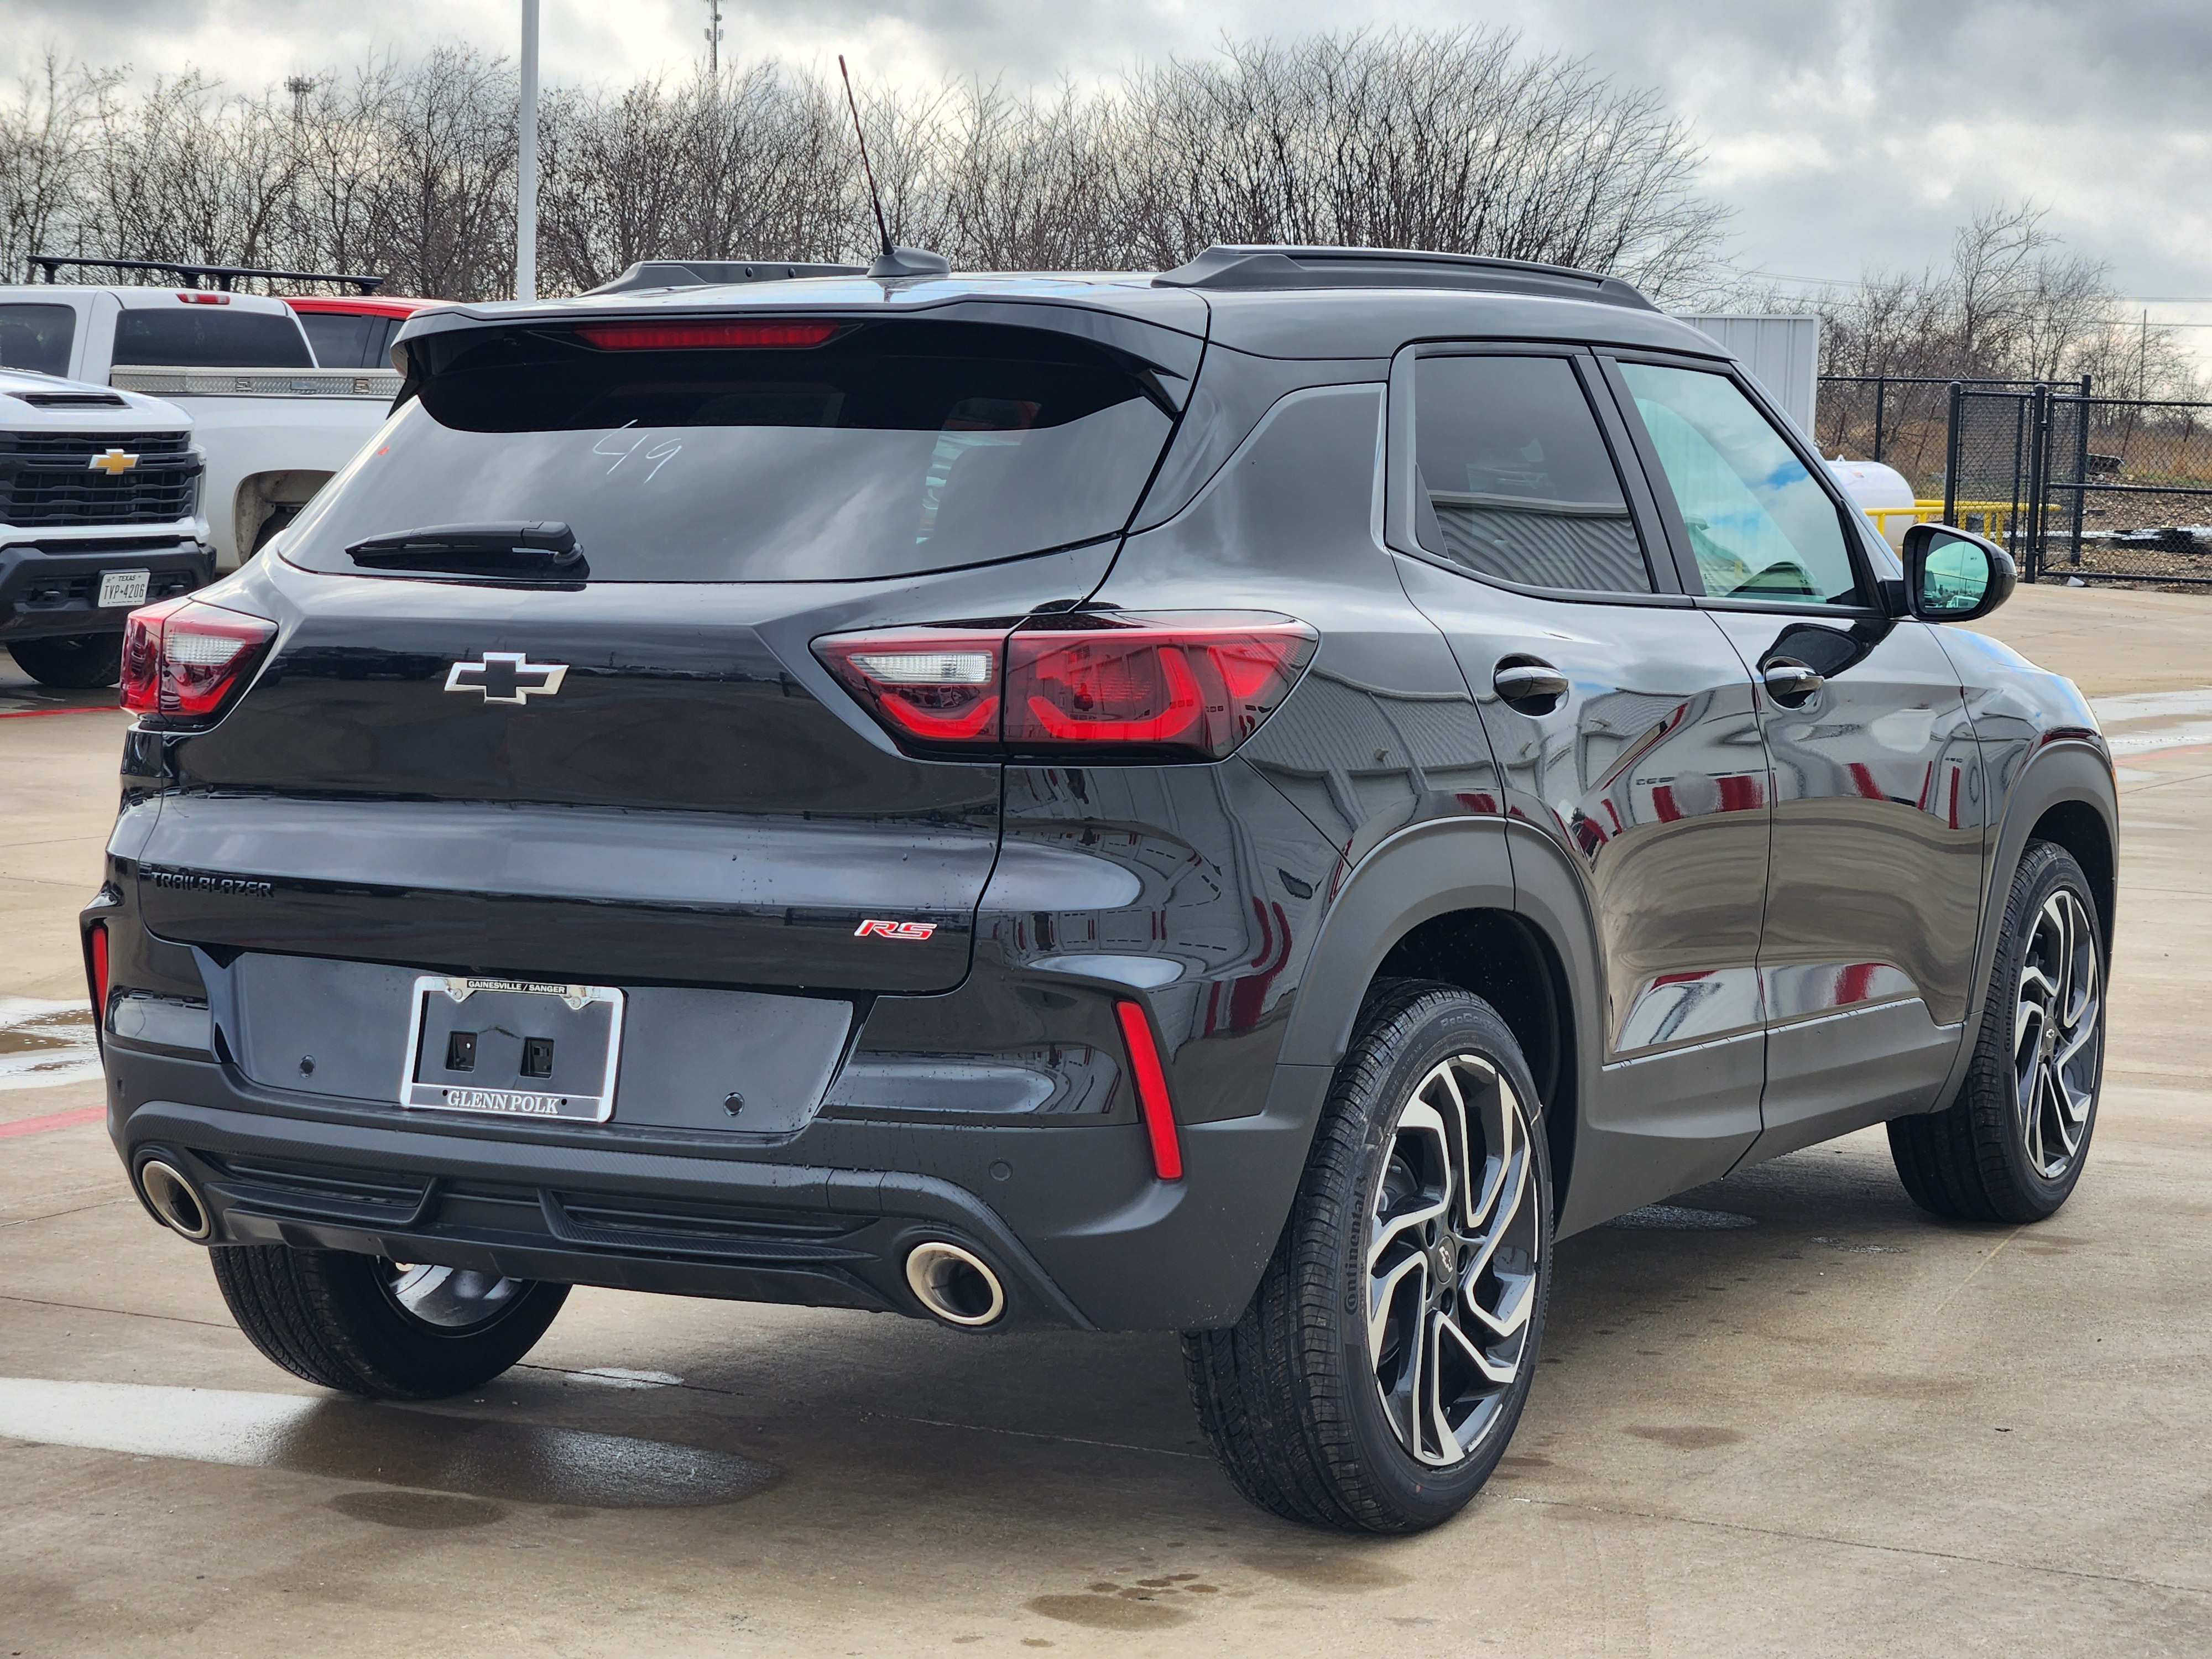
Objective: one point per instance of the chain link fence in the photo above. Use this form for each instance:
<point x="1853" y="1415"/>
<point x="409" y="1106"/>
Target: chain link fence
<point x="2073" y="485"/>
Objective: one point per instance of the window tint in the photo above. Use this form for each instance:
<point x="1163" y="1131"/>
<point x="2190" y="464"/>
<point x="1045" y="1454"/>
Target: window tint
<point x="208" y="336"/>
<point x="1759" y="525"/>
<point x="1515" y="480"/>
<point x="895" y="448"/>
<point x="37" y="336"/>
<point x="345" y="342"/>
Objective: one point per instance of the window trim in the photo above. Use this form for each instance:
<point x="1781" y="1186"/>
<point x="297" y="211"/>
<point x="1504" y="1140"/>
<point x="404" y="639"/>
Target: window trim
<point x="1401" y="449"/>
<point x="1670" y="511"/>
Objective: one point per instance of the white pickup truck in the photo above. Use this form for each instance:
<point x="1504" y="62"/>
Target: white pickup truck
<point x="274" y="426"/>
<point x="98" y="514"/>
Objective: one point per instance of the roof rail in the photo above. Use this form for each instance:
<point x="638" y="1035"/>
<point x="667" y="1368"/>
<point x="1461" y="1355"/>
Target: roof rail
<point x="709" y="273"/>
<point x="1226" y="267"/>
<point x="221" y="276"/>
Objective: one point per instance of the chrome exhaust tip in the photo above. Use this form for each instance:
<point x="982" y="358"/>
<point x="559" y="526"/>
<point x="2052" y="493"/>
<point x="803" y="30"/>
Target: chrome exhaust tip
<point x="172" y="1198"/>
<point x="955" y="1285"/>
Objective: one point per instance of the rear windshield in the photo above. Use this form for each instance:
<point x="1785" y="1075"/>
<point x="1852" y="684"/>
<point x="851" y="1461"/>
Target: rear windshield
<point x="208" y="336"/>
<point x="343" y="340"/>
<point x="893" y="449"/>
<point x="37" y="336"/>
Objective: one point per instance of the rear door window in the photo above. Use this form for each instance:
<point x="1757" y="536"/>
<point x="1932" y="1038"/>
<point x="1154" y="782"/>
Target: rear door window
<point x="890" y="449"/>
<point x="1516" y="481"/>
<point x="37" y="336"/>
<point x="1760" y="525"/>
<point x="346" y="342"/>
<point x="208" y="336"/>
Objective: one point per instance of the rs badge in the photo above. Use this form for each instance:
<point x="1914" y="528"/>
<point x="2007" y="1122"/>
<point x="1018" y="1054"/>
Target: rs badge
<point x="895" y="930"/>
<point x="507" y="676"/>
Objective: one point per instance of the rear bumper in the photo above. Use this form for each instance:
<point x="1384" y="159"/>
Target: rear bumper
<point x="43" y="594"/>
<point x="1071" y="1218"/>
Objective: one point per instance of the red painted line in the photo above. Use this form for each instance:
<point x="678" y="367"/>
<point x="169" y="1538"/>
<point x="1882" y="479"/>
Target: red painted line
<point x="82" y="708"/>
<point x="32" y="1126"/>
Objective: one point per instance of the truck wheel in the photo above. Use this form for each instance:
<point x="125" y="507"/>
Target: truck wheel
<point x="80" y="662"/>
<point x="2012" y="1143"/>
<point x="1374" y="1380"/>
<point x="365" y="1325"/>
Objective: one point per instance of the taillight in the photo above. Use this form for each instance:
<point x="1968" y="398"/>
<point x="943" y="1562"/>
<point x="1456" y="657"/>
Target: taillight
<point x="183" y="658"/>
<point x="935" y="685"/>
<point x="1181" y="685"/>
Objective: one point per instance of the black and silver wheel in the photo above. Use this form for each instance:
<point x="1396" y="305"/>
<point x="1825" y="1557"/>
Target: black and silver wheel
<point x="1375" y="1380"/>
<point x="2013" y="1144"/>
<point x="385" y="1329"/>
<point x="75" y="662"/>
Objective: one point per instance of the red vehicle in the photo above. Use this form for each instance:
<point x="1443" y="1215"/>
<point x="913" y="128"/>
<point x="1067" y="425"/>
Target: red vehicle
<point x="355" y="330"/>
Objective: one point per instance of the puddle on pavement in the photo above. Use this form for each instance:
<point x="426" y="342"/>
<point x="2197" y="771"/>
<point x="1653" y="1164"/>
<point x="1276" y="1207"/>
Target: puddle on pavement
<point x="388" y="1445"/>
<point x="43" y="1044"/>
<point x="2144" y="722"/>
<point x="1673" y="1219"/>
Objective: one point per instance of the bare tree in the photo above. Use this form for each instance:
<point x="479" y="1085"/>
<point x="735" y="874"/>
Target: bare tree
<point x="45" y="132"/>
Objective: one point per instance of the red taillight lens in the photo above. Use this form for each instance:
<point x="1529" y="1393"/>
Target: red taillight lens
<point x="1197" y="684"/>
<point x="183" y="658"/>
<point x="706" y="336"/>
<point x="931" y="684"/>
<point x="1180" y="685"/>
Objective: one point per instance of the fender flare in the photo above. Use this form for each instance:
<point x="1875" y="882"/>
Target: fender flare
<point x="2063" y="769"/>
<point x="1424" y="872"/>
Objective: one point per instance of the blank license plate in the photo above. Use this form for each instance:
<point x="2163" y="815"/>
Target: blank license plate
<point x="122" y="588"/>
<point x="512" y="1048"/>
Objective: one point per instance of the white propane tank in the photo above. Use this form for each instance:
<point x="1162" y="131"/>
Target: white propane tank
<point x="1870" y="483"/>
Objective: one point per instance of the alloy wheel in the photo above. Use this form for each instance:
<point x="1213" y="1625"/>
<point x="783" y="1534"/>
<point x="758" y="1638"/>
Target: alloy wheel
<point x="2057" y="1035"/>
<point x="449" y="1299"/>
<point x="1451" y="1258"/>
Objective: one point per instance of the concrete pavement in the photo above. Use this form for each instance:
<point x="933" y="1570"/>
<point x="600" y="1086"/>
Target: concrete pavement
<point x="1794" y="1417"/>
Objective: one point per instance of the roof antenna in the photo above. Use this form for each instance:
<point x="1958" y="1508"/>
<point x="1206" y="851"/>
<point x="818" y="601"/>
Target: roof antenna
<point x="894" y="261"/>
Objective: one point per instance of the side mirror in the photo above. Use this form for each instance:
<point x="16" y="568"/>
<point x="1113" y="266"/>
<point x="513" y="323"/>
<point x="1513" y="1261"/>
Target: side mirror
<point x="1951" y="575"/>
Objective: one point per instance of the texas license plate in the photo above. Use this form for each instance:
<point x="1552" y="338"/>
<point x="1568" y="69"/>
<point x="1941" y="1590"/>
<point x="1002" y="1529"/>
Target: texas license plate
<point x="122" y="588"/>
<point x="512" y="1048"/>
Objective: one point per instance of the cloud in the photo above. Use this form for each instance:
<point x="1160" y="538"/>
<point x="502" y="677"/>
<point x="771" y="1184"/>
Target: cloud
<point x="1844" y="132"/>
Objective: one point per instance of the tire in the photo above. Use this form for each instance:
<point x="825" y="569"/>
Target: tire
<point x="2005" y="1150"/>
<point x="76" y="662"/>
<point x="1293" y="1395"/>
<point x="345" y="1322"/>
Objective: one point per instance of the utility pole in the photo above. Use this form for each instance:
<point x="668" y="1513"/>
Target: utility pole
<point x="525" y="164"/>
<point x="714" y="39"/>
<point x="299" y="86"/>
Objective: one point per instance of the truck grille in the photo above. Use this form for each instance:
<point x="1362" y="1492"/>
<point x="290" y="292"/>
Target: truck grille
<point x="47" y="479"/>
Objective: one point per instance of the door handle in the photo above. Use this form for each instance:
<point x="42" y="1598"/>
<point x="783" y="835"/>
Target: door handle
<point x="1790" y="683"/>
<point x="1530" y="686"/>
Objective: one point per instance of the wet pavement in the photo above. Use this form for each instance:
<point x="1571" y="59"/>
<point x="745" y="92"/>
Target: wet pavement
<point x="1783" y="1414"/>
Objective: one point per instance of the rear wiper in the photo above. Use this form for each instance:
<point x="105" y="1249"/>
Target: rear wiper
<point x="546" y="549"/>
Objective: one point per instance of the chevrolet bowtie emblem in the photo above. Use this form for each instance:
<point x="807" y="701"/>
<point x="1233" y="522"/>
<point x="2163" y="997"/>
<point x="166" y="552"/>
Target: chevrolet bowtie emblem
<point x="507" y="676"/>
<point x="113" y="461"/>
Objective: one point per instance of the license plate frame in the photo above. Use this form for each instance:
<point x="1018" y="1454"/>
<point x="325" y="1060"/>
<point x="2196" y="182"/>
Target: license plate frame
<point x="500" y="1099"/>
<point x="118" y="588"/>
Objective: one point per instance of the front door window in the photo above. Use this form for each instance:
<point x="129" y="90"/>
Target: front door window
<point x="1760" y="525"/>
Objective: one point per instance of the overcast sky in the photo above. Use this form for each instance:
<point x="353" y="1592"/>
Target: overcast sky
<point x="1844" y="133"/>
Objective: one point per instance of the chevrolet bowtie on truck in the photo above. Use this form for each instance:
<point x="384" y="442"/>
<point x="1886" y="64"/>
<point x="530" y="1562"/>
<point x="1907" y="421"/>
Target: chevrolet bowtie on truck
<point x="275" y="425"/>
<point x="98" y="514"/>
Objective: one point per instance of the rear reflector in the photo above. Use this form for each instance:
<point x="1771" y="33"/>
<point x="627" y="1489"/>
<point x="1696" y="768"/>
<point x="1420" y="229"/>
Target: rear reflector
<point x="183" y="658"/>
<point x="98" y="954"/>
<point x="1190" y="685"/>
<point x="1152" y="1080"/>
<point x="707" y="335"/>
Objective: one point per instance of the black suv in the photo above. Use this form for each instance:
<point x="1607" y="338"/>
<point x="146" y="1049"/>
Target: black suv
<point x="1250" y="801"/>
